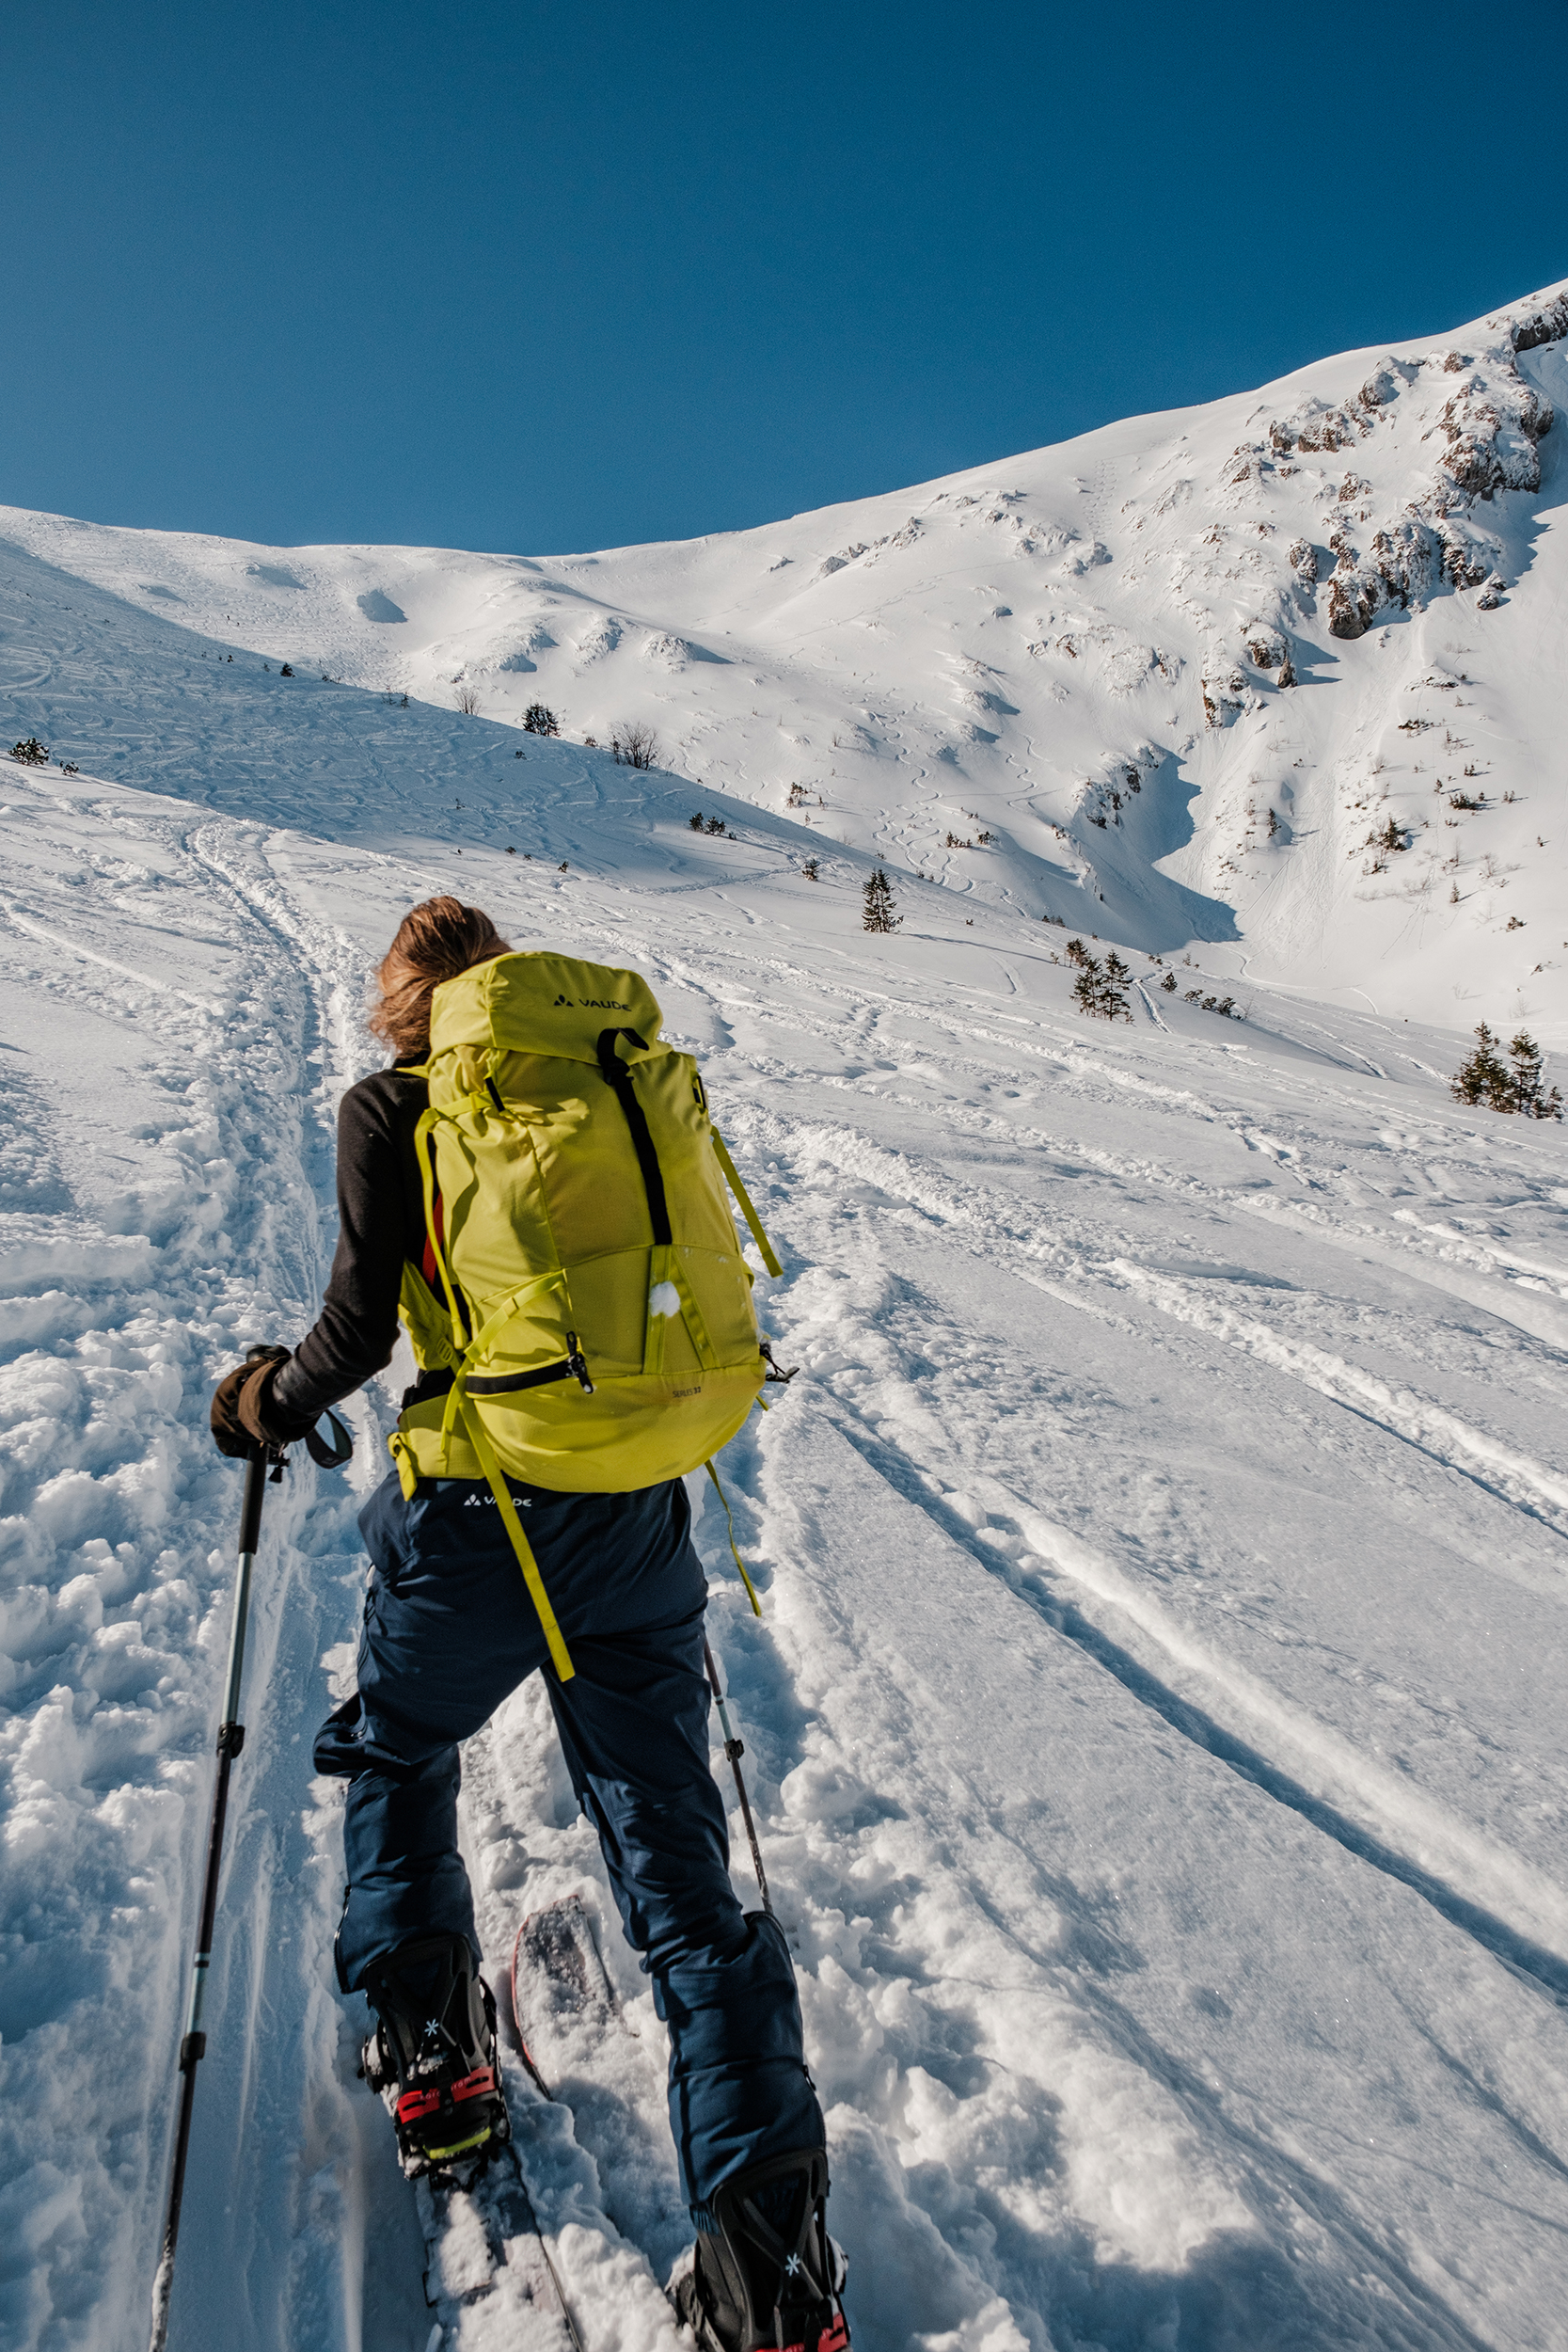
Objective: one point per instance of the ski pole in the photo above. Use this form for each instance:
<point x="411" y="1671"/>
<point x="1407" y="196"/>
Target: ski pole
<point x="734" y="1749"/>
<point x="193" y="2046"/>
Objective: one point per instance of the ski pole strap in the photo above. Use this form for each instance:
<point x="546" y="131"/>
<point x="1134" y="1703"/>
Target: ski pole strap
<point x="560" y="1656"/>
<point x="329" y="1454"/>
<point x="751" y="1588"/>
<point x="733" y="1180"/>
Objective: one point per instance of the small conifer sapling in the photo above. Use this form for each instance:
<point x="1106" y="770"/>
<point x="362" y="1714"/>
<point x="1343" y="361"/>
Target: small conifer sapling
<point x="877" y="914"/>
<point x="1529" y="1096"/>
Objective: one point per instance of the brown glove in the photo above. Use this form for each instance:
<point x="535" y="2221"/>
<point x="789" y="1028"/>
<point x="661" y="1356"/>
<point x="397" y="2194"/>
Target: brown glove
<point x="240" y="1403"/>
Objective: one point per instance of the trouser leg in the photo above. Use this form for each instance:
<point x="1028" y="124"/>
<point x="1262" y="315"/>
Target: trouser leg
<point x="449" y="1632"/>
<point x="634" y="1729"/>
<point x="404" y="1875"/>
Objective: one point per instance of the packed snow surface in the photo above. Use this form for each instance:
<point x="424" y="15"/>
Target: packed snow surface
<point x="1155" y="1724"/>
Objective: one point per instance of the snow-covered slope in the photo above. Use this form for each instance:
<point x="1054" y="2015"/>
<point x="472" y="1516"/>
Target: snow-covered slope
<point x="1156" y="1720"/>
<point x="1214" y="675"/>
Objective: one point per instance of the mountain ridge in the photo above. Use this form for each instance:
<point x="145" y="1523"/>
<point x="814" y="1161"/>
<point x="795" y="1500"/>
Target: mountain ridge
<point x="1171" y="682"/>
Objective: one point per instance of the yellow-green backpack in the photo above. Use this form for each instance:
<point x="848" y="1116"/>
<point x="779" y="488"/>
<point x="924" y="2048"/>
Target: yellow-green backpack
<point x="582" y="1279"/>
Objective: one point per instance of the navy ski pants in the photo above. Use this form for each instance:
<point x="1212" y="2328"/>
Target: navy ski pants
<point x="449" y="1632"/>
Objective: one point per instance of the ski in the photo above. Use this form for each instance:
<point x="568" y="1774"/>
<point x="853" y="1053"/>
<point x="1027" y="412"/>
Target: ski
<point x="485" y="2245"/>
<point x="560" y="1986"/>
<point x="434" y="2061"/>
<point x="564" y="2007"/>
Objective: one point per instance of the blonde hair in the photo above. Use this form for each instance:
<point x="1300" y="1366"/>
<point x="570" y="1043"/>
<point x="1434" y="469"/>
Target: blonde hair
<point x="436" y="941"/>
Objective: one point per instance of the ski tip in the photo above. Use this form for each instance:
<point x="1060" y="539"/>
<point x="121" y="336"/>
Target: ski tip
<point x="558" y="1943"/>
<point x="520" y="2036"/>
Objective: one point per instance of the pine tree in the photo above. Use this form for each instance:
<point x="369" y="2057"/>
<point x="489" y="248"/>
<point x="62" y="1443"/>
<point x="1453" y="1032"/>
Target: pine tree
<point x="1483" y="1078"/>
<point x="537" y="719"/>
<point x="1529" y="1097"/>
<point x="879" y="903"/>
<point x="1100" y="988"/>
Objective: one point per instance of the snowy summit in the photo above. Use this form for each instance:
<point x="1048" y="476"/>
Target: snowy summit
<point x="1155" y="1724"/>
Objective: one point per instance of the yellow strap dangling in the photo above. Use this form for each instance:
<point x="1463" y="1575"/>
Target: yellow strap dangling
<point x="733" y="1179"/>
<point x="560" y="1655"/>
<point x="751" y="1588"/>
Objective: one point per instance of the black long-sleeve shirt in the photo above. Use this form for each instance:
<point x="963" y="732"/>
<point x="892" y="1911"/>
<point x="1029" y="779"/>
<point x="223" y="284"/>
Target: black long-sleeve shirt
<point x="381" y="1224"/>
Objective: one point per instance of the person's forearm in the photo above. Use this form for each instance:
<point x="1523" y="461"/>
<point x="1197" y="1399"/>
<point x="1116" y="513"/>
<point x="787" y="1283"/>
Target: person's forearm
<point x="343" y="1350"/>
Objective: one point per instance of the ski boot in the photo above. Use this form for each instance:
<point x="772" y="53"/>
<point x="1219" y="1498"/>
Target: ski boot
<point x="769" y="2274"/>
<point x="432" y="2058"/>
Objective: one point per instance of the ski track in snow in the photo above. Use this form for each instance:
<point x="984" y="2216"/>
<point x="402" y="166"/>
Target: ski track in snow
<point x="1153" y="1724"/>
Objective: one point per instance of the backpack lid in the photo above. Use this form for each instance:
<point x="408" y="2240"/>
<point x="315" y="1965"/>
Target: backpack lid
<point x="542" y="1003"/>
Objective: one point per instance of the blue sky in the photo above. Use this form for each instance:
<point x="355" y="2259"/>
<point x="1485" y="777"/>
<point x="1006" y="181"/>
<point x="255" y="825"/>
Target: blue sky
<point x="549" y="277"/>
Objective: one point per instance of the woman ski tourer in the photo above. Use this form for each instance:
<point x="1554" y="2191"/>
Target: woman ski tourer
<point x="532" y="1183"/>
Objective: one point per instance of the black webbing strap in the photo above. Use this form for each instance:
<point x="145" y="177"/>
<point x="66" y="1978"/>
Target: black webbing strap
<point x="329" y="1454"/>
<point x="614" y="1072"/>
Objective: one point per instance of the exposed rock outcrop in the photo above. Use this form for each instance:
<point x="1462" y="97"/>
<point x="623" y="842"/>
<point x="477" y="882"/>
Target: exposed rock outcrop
<point x="1546" y="325"/>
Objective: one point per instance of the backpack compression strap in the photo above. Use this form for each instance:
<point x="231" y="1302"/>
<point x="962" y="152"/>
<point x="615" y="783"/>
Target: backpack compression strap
<point x="664" y="1264"/>
<point x="613" y="1071"/>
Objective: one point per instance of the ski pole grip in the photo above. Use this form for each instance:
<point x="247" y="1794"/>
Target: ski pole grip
<point x="250" y="1513"/>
